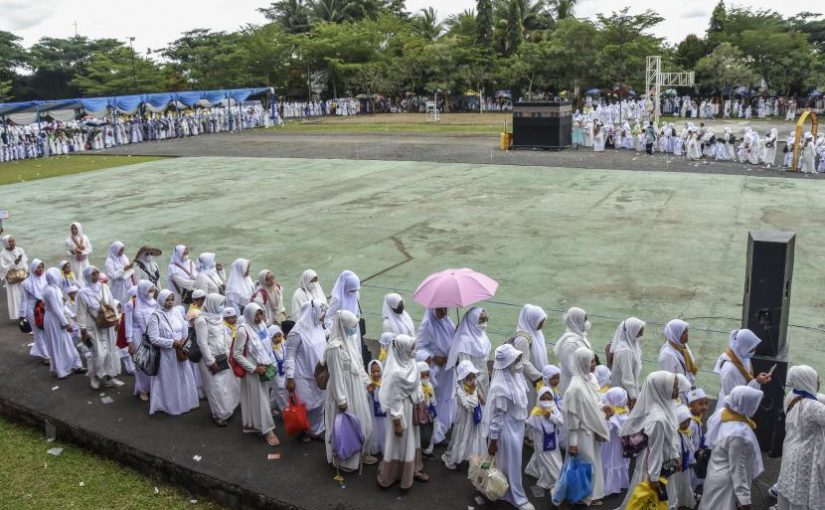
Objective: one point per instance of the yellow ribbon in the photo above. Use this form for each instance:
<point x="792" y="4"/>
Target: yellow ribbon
<point x="728" y="415"/>
<point x="689" y="363"/>
<point x="619" y="409"/>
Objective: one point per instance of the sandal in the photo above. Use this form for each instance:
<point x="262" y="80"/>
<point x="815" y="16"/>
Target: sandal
<point x="272" y="439"/>
<point x="219" y="423"/>
<point x="421" y="476"/>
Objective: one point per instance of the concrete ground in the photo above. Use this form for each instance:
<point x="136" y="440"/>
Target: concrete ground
<point x="655" y="245"/>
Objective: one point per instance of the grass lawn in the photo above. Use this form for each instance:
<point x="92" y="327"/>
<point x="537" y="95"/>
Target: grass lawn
<point x="457" y="123"/>
<point x="34" y="169"/>
<point x="31" y="478"/>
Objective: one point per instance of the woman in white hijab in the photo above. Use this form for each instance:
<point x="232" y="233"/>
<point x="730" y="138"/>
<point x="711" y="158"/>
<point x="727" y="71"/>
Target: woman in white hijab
<point x="575" y="336"/>
<point x="347" y="388"/>
<point x="435" y="334"/>
<point x="503" y="421"/>
<point x="345" y="295"/>
<point x="33" y="287"/>
<point x="252" y="350"/>
<point x="181" y="274"/>
<point x="529" y="340"/>
<point x="136" y="326"/>
<point x="174" y="390"/>
<point x="239" y="286"/>
<point x="676" y="356"/>
<point x="270" y="297"/>
<point x="400" y="391"/>
<point x="309" y="289"/>
<point x="584" y="419"/>
<point x="211" y="276"/>
<point x="801" y="484"/>
<point x="627" y="358"/>
<point x="734" y="365"/>
<point x="78" y="248"/>
<point x="219" y="383"/>
<point x="769" y="153"/>
<point x="57" y="330"/>
<point x="146" y="267"/>
<point x="119" y="271"/>
<point x="105" y="364"/>
<point x="305" y="346"/>
<point x="655" y="416"/>
<point x="470" y="342"/>
<point x="13" y="259"/>
<point x="736" y="458"/>
<point x="396" y="319"/>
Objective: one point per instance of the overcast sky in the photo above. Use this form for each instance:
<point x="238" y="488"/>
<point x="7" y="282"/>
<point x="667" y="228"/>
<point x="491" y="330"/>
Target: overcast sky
<point x="154" y="23"/>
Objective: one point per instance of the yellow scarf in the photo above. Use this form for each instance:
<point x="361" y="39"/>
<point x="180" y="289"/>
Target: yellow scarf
<point x="540" y="384"/>
<point x="538" y="411"/>
<point x="232" y="327"/>
<point x="382" y="355"/>
<point x="69" y="276"/>
<point x="686" y="432"/>
<point x="468" y="390"/>
<point x="375" y="383"/>
<point x="747" y="374"/>
<point x="604" y="389"/>
<point x="689" y="363"/>
<point x="619" y="409"/>
<point x="728" y="415"/>
<point x="427" y="388"/>
<point x="277" y="347"/>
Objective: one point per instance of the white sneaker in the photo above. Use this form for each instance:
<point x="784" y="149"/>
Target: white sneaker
<point x="451" y="467"/>
<point x="94" y="382"/>
<point x="527" y="506"/>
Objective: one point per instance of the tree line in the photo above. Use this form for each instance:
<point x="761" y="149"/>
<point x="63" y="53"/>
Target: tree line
<point x="332" y="48"/>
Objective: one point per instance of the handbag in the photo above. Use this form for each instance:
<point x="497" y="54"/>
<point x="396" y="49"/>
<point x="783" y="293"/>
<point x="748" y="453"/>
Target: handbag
<point x="107" y="316"/>
<point x="122" y="342"/>
<point x="321" y="374"/>
<point x="295" y="417"/>
<point x="190" y="348"/>
<point x="39" y="313"/>
<point x="421" y="415"/>
<point x="147" y="355"/>
<point x="670" y="467"/>
<point x="487" y="478"/>
<point x="702" y="458"/>
<point x="222" y="362"/>
<point x="16" y="275"/>
<point x="237" y="369"/>
<point x="25" y="327"/>
<point x="633" y="444"/>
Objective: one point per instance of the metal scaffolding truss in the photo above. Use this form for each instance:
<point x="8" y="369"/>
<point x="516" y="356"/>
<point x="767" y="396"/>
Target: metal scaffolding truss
<point x="655" y="80"/>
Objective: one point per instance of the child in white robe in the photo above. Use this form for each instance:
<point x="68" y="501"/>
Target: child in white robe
<point x="680" y="482"/>
<point x="467" y="438"/>
<point x="542" y="425"/>
<point x="379" y="417"/>
<point x="277" y="393"/>
<point x="602" y="374"/>
<point x="615" y="467"/>
<point x="698" y="405"/>
<point x="429" y="400"/>
<point x="550" y="378"/>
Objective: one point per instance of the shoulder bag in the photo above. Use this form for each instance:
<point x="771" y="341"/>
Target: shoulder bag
<point x="147" y="355"/>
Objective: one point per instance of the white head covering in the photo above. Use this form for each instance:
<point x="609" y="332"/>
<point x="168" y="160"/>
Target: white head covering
<point x="229" y="311"/>
<point x="309" y="329"/>
<point x="178" y="257"/>
<point x="53" y="277"/>
<point x="117" y="261"/>
<point x="582" y="400"/>
<point x="257" y="336"/>
<point x="528" y="321"/>
<point x="198" y="293"/>
<point x="239" y="287"/>
<point x="180" y="264"/>
<point x="464" y="369"/>
<point x="655" y="404"/>
<point x="602" y="374"/>
<point x="625" y="337"/>
<point x="470" y="339"/>
<point x="400" y="324"/>
<point x="547" y="373"/>
<point x="212" y="310"/>
<point x="343" y="321"/>
<point x="801" y="378"/>
<point x="741" y="342"/>
<point x="6" y="238"/>
<point x="506" y="386"/>
<point x="401" y="379"/>
<point x="273" y="330"/>
<point x="162" y="297"/>
<point x="386" y="339"/>
<point x="435" y="332"/>
<point x="743" y="400"/>
<point x="697" y="394"/>
<point x="345" y="292"/>
<point x="577" y="327"/>
<point x="206" y="264"/>
<point x="34" y="284"/>
<point x="674" y="330"/>
<point x="682" y="413"/>
<point x="422" y="366"/>
<point x="312" y="289"/>
<point x="616" y="397"/>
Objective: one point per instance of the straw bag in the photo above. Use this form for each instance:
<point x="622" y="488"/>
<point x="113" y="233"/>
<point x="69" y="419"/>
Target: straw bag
<point x="16" y="275"/>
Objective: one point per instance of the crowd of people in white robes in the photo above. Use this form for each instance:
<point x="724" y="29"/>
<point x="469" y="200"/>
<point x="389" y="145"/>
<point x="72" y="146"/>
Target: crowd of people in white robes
<point x="55" y="138"/>
<point x="429" y="392"/>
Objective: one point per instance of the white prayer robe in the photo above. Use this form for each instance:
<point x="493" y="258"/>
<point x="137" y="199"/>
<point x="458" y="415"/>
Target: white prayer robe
<point x="211" y="282"/>
<point x="59" y="345"/>
<point x="14" y="291"/>
<point x="222" y="388"/>
<point x="301" y="357"/>
<point x="731" y="377"/>
<point x="730" y="475"/>
<point x="402" y="455"/>
<point x="255" y="411"/>
<point x="649" y="462"/>
<point x="615" y="467"/>
<point x="507" y="427"/>
<point x="626" y="372"/>
<point x="137" y="321"/>
<point x="807" y="159"/>
<point x="78" y="266"/>
<point x="467" y="437"/>
<point x="544" y="466"/>
<point x="173" y="390"/>
<point x="801" y="483"/>
<point x="106" y="357"/>
<point x="27" y="303"/>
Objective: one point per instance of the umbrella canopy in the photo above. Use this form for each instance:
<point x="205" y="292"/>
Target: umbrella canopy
<point x="816" y="93"/>
<point x="592" y="92"/>
<point x="454" y="288"/>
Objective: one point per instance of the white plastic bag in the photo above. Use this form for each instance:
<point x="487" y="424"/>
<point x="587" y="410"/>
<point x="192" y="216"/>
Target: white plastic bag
<point x="487" y="478"/>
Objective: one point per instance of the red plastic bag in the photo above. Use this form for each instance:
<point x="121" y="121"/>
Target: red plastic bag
<point x="122" y="343"/>
<point x="295" y="417"/>
<point x="39" y="313"/>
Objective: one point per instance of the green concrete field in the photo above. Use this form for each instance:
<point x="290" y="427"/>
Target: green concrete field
<point x="649" y="244"/>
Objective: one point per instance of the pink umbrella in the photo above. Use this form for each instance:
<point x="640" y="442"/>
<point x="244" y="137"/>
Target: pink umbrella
<point x="454" y="288"/>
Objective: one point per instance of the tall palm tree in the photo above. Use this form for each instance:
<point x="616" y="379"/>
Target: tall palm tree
<point x="562" y="9"/>
<point x="292" y="15"/>
<point x="334" y="11"/>
<point x="427" y="25"/>
<point x="464" y="23"/>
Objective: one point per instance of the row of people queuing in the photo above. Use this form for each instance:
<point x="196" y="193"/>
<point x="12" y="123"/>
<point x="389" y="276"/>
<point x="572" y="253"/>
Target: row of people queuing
<point x="56" y="138"/>
<point x="428" y="387"/>
<point x="762" y="107"/>
<point x="348" y="106"/>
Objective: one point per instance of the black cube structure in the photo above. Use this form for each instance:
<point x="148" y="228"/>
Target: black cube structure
<point x="545" y="125"/>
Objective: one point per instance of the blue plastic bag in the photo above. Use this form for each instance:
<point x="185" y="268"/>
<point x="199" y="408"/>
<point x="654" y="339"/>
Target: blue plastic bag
<point x="347" y="438"/>
<point x="575" y="481"/>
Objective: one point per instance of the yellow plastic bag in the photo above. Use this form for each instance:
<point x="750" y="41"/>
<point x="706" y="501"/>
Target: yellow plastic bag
<point x="644" y="497"/>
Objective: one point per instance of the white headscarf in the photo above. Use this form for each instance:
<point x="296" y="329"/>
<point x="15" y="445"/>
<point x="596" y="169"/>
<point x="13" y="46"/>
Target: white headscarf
<point x="313" y="289"/>
<point x="276" y="293"/>
<point x="116" y="261"/>
<point x="741" y="342"/>
<point x="180" y="264"/>
<point x="655" y="404"/>
<point x="308" y="328"/>
<point x="256" y="336"/>
<point x="464" y="369"/>
<point x="508" y="389"/>
<point x="53" y="277"/>
<point x="239" y="286"/>
<point x="345" y="292"/>
<point x="436" y="332"/>
<point x="401" y="379"/>
<point x="801" y="378"/>
<point x="34" y="284"/>
<point x="79" y="239"/>
<point x="469" y="338"/>
<point x="547" y="373"/>
<point x="582" y="400"/>
<point x="528" y="321"/>
<point x="577" y="328"/>
<point x="6" y="238"/>
<point x="625" y="338"/>
<point x="206" y="264"/>
<point x="743" y="400"/>
<point x="342" y="322"/>
<point x="400" y="323"/>
<point x="212" y="310"/>
<point x="142" y="294"/>
<point x="602" y="374"/>
<point x="616" y="397"/>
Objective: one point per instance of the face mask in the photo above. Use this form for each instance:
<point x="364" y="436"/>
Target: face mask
<point x="545" y="404"/>
<point x="352" y="331"/>
<point x="482" y="326"/>
<point x="587" y="326"/>
<point x="519" y="366"/>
